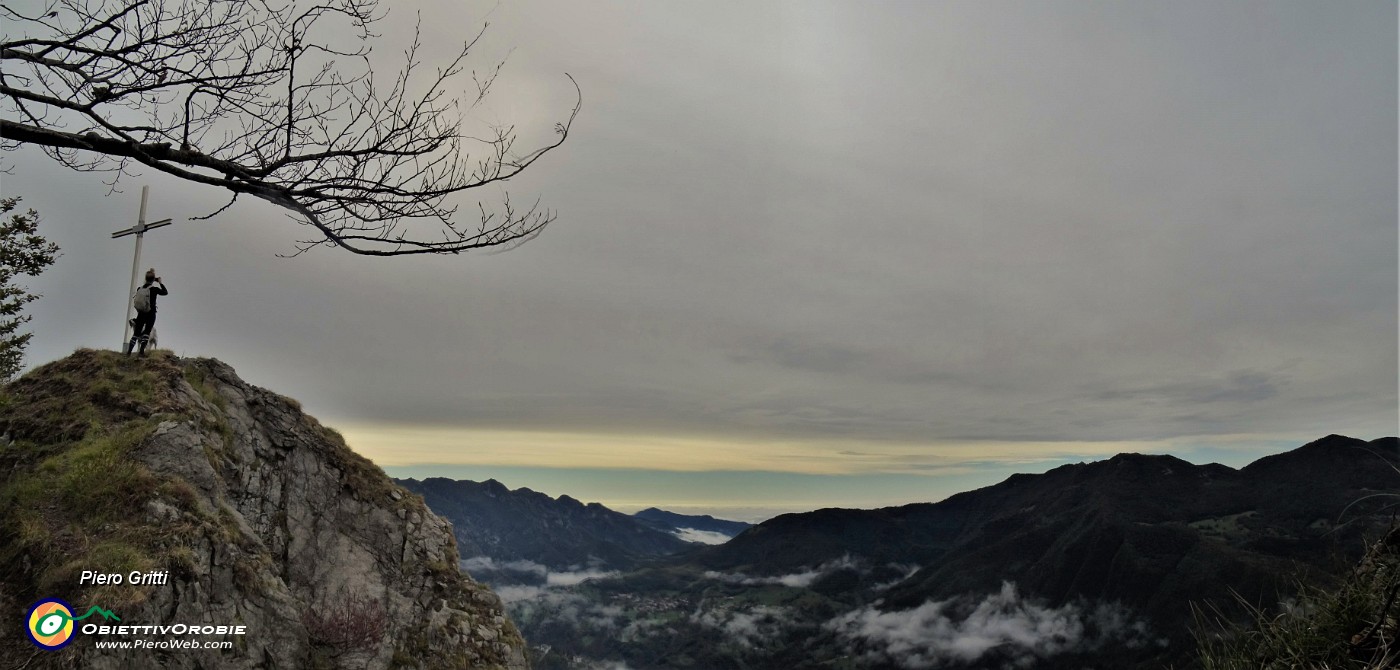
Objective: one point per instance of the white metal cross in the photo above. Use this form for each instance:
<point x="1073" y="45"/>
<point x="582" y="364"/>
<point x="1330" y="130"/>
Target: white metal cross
<point x="138" y="230"/>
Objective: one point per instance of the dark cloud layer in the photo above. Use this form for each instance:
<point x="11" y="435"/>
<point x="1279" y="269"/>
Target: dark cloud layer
<point x="930" y="222"/>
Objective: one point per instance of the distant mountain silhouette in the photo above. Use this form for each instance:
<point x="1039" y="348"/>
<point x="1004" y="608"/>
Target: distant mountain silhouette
<point x="671" y="522"/>
<point x="559" y="533"/>
<point x="1153" y="532"/>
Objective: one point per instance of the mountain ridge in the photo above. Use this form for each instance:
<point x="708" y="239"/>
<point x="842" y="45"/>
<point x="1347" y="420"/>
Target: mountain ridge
<point x="674" y="523"/>
<point x="1159" y="509"/>
<point x="1115" y="551"/>
<point x="560" y="534"/>
<point x="1117" y="475"/>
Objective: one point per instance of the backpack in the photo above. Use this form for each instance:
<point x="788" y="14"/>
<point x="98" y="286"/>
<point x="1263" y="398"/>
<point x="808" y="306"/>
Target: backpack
<point x="141" y="299"/>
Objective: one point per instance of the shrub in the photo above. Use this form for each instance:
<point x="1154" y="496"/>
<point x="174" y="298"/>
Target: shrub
<point x="351" y="623"/>
<point x="1352" y="626"/>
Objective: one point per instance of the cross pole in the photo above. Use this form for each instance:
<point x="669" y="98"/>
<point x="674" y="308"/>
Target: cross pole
<point x="139" y="230"/>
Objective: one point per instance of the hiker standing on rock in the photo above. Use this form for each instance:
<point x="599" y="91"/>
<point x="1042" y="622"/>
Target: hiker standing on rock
<point x="145" y="302"/>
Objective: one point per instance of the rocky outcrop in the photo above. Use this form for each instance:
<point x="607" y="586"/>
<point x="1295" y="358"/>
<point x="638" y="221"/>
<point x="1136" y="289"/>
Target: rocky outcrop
<point x="261" y="517"/>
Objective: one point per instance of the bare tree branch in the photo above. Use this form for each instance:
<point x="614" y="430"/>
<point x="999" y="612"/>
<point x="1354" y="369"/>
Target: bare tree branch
<point x="276" y="101"/>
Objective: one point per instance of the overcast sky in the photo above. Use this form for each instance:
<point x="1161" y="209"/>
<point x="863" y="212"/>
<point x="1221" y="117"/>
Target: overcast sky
<point x="892" y="251"/>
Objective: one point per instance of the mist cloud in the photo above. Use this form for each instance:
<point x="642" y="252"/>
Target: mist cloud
<point x="561" y="605"/>
<point x="1001" y="625"/>
<point x="701" y="536"/>
<point x="485" y="565"/>
<point x="801" y="579"/>
<point x="577" y="577"/>
<point x="527" y="579"/>
<point x="745" y="627"/>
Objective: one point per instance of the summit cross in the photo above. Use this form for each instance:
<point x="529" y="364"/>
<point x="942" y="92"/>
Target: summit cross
<point x="139" y="230"/>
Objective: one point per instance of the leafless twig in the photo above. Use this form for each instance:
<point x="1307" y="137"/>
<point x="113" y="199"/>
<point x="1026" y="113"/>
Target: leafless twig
<point x="274" y="100"/>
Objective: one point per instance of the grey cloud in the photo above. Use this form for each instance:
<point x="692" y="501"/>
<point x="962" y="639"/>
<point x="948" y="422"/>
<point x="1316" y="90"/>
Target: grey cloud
<point x="1239" y="386"/>
<point x="810" y="354"/>
<point x="929" y="222"/>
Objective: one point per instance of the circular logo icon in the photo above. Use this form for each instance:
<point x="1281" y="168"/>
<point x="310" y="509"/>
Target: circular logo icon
<point x="50" y="624"/>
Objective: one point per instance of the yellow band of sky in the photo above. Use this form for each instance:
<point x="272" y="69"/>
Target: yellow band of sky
<point x="399" y="445"/>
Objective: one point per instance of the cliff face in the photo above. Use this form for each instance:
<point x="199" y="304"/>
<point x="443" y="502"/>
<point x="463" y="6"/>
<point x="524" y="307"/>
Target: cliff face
<point x="258" y="515"/>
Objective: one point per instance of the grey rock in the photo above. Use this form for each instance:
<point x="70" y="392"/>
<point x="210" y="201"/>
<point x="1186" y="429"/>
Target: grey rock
<point x="287" y="529"/>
